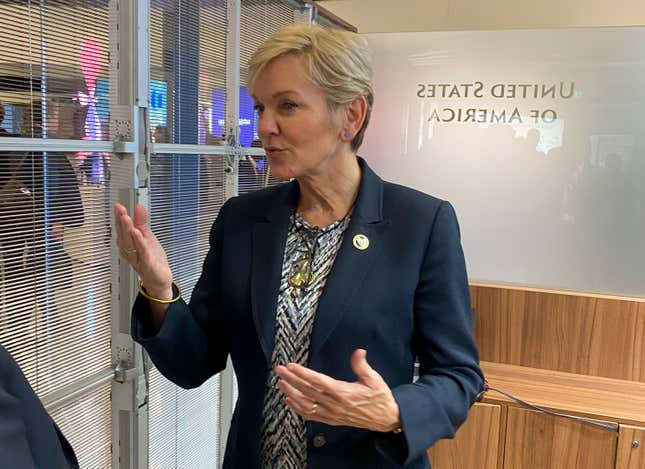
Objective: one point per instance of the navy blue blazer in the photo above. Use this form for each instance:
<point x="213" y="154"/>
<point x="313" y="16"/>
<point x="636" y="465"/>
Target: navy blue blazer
<point x="29" y="438"/>
<point x="404" y="298"/>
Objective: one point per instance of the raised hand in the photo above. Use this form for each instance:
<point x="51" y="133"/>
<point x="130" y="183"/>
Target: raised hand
<point x="142" y="250"/>
<point x="366" y="403"/>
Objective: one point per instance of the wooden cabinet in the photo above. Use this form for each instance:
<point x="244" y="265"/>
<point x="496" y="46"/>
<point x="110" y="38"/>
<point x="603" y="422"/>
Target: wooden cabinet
<point x="539" y="441"/>
<point x="475" y="445"/>
<point x="631" y="448"/>
<point x="574" y="353"/>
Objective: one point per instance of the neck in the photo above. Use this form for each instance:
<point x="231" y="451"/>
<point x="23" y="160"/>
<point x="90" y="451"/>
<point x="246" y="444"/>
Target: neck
<point x="328" y="194"/>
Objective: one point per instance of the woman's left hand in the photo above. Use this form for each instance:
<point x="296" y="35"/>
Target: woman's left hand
<point x="366" y="403"/>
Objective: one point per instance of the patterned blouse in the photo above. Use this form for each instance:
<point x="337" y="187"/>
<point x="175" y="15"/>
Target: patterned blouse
<point x="283" y="433"/>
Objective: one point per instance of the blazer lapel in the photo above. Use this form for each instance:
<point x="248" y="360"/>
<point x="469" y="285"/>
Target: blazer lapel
<point x="347" y="274"/>
<point x="269" y="238"/>
<point x="352" y="264"/>
<point x="345" y="280"/>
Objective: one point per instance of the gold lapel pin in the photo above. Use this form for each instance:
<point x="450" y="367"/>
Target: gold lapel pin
<point x="361" y="242"/>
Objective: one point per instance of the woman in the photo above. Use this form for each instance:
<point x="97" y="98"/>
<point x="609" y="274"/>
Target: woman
<point x="303" y="279"/>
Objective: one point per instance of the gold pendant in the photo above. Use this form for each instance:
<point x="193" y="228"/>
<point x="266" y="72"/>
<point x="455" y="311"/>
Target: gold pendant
<point x="303" y="276"/>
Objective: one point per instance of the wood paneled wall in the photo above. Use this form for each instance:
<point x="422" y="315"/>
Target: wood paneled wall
<point x="576" y="333"/>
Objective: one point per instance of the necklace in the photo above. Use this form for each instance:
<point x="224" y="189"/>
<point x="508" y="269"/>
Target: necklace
<point x="303" y="274"/>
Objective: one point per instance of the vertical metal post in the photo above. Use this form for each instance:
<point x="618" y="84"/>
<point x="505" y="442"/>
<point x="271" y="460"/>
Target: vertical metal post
<point x="233" y="9"/>
<point x="129" y="90"/>
<point x="304" y="13"/>
<point x="233" y="12"/>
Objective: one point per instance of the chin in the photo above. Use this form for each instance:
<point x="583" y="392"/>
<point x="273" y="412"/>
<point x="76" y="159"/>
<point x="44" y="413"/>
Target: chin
<point x="280" y="170"/>
<point x="281" y="175"/>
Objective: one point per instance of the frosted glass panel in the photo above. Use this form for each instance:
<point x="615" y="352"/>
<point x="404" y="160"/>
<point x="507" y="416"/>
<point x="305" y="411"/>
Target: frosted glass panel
<point x="536" y="137"/>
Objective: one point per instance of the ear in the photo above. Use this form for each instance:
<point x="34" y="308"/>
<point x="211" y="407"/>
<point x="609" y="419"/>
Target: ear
<point x="354" y="116"/>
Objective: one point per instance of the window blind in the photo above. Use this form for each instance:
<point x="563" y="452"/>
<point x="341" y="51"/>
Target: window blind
<point x="258" y="20"/>
<point x="182" y="434"/>
<point x="188" y="71"/>
<point x="254" y="173"/>
<point x="53" y="68"/>
<point x="187" y="192"/>
<point x="188" y="106"/>
<point x="54" y="237"/>
<point x="91" y="413"/>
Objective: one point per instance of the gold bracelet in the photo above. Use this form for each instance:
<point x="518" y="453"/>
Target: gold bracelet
<point x="145" y="294"/>
<point x="397" y="430"/>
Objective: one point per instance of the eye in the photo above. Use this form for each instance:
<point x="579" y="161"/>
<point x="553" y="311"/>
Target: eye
<point x="288" y="105"/>
<point x="258" y="108"/>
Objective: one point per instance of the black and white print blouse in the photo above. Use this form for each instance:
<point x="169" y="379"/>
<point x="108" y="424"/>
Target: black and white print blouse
<point x="283" y="434"/>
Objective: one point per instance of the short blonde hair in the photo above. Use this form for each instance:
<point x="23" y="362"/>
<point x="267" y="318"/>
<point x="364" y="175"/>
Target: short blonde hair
<point x="339" y="63"/>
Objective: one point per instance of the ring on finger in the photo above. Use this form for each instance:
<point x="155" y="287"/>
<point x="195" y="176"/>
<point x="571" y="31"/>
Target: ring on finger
<point x="314" y="407"/>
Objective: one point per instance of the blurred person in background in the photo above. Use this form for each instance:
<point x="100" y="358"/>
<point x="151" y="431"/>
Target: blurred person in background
<point x="39" y="199"/>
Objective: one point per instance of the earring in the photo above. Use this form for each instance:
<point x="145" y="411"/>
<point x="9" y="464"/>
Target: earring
<point x="345" y="134"/>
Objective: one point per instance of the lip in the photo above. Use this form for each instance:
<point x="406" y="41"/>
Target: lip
<point x="273" y="149"/>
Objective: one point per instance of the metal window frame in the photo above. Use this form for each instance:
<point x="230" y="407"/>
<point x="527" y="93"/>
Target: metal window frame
<point x="131" y="47"/>
<point x="191" y="149"/>
<point x="321" y="15"/>
<point x="129" y="79"/>
<point x="54" y="144"/>
<point x="78" y="390"/>
<point x="74" y="391"/>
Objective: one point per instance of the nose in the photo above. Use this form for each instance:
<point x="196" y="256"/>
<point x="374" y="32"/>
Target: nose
<point x="267" y="124"/>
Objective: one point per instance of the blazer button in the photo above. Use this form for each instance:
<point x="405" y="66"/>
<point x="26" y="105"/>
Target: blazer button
<point x="319" y="441"/>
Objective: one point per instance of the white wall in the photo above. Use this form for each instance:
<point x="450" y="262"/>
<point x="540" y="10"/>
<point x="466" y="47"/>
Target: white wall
<point x="544" y="202"/>
<point x="453" y="15"/>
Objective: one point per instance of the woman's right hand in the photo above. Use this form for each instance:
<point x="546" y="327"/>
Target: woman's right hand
<point x="142" y="250"/>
